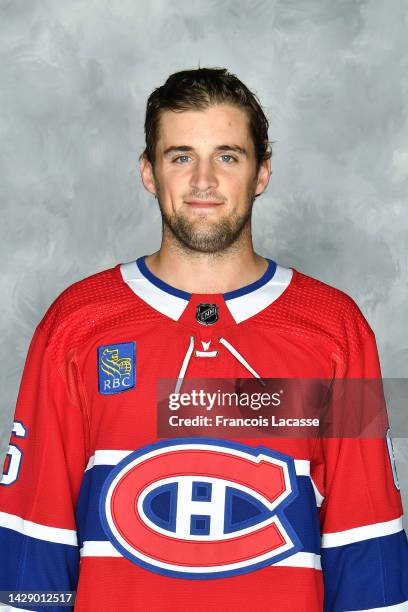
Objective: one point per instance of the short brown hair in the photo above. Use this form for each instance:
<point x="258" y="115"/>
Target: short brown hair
<point x="197" y="90"/>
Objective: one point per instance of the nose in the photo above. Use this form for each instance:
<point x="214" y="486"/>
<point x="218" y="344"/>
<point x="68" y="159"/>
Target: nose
<point x="204" y="176"/>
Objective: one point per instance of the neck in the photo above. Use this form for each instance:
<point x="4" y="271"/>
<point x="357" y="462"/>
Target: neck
<point x="197" y="272"/>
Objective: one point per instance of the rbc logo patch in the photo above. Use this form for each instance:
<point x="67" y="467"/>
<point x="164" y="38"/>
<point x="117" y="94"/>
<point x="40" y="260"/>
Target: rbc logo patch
<point x="116" y="367"/>
<point x="201" y="508"/>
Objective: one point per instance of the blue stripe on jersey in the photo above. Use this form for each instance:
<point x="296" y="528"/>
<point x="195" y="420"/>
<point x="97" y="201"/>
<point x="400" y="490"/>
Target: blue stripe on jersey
<point x="301" y="513"/>
<point x="141" y="264"/>
<point x="161" y="284"/>
<point x="266" y="277"/>
<point x="29" y="564"/>
<point x="369" y="574"/>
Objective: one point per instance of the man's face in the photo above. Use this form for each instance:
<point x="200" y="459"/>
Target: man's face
<point x="205" y="176"/>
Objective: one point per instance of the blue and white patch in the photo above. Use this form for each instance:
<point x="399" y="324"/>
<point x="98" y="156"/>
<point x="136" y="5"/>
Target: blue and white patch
<point x="116" y="367"/>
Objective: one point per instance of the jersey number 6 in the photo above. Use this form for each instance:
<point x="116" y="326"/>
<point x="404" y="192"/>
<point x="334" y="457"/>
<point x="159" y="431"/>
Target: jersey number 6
<point x="15" y="455"/>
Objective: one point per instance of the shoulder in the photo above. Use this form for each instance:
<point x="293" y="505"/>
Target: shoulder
<point x="319" y="312"/>
<point x="89" y="306"/>
<point x="81" y="297"/>
<point x="325" y="303"/>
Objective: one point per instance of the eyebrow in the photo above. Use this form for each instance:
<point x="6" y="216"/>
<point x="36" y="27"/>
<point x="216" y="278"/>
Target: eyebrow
<point x="185" y="148"/>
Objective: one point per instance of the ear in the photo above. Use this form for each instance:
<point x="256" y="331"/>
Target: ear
<point x="147" y="175"/>
<point x="264" y="174"/>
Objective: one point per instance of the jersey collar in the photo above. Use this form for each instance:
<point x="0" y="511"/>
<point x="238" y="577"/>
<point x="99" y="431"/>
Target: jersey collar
<point x="170" y="301"/>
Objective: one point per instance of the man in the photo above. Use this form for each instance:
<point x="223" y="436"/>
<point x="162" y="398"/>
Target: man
<point x="94" y="500"/>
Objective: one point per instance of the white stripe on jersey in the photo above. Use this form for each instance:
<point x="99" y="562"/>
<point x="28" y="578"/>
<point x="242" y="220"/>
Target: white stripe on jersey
<point x="357" y="534"/>
<point x="35" y="530"/>
<point x="107" y="457"/>
<point x="401" y="607"/>
<point x="112" y="457"/>
<point x="301" y="559"/>
<point x="98" y="548"/>
<point x="106" y="549"/>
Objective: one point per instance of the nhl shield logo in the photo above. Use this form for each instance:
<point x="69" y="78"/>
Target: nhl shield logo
<point x="201" y="508"/>
<point x="207" y="314"/>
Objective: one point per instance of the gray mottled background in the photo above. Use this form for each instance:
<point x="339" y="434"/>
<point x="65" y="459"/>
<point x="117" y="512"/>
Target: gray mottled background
<point x="74" y="79"/>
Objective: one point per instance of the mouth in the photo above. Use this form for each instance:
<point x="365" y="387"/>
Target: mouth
<point x="203" y="203"/>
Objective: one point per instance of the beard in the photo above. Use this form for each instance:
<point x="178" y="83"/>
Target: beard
<point x="204" y="236"/>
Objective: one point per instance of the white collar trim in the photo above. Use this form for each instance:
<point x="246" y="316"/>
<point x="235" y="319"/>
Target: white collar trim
<point x="169" y="305"/>
<point x="248" y="305"/>
<point x="241" y="307"/>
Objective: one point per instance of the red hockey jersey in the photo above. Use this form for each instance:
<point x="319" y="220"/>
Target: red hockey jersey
<point x="93" y="501"/>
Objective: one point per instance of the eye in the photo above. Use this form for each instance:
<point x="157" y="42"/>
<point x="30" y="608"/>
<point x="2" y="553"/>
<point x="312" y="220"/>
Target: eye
<point x="182" y="157"/>
<point x="230" y="158"/>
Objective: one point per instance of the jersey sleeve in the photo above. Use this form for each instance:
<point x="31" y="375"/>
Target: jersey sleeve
<point x="364" y="548"/>
<point x="42" y="472"/>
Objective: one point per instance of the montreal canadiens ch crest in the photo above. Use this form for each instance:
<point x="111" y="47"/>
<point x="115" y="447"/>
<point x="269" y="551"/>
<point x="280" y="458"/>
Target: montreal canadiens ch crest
<point x="201" y="507"/>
